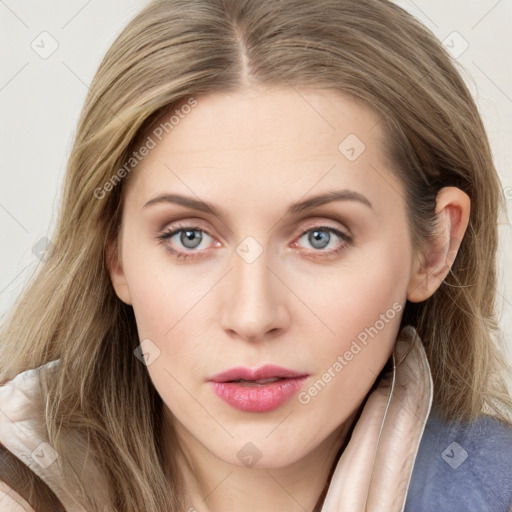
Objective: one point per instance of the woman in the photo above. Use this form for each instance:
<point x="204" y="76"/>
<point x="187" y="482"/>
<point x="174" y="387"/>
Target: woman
<point x="272" y="280"/>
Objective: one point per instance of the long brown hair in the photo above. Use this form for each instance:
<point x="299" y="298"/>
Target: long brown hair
<point x="175" y="50"/>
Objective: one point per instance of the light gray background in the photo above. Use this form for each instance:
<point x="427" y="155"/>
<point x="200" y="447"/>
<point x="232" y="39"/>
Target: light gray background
<point x="40" y="99"/>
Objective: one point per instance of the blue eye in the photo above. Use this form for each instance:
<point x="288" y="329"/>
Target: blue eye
<point x="191" y="237"/>
<point x="321" y="236"/>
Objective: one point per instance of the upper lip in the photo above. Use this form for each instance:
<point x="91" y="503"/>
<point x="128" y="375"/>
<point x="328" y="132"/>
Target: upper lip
<point x="263" y="372"/>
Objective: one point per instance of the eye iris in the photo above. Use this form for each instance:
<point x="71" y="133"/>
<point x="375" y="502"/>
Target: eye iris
<point x="316" y="236"/>
<point x="191" y="238"/>
<point x="187" y="238"/>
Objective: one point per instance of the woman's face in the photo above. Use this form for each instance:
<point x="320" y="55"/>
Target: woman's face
<point x="274" y="273"/>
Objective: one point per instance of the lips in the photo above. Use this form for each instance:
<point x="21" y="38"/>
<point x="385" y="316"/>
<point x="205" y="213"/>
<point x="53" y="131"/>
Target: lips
<point x="261" y="374"/>
<point x="260" y="390"/>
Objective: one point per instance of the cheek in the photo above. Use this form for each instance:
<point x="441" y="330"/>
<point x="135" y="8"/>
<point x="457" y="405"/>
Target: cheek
<point x="162" y="292"/>
<point x="151" y="308"/>
<point x="370" y="283"/>
<point x="361" y="307"/>
<point x="365" y="326"/>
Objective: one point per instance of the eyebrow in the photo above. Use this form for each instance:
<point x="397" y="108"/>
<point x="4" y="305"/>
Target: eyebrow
<point x="294" y="209"/>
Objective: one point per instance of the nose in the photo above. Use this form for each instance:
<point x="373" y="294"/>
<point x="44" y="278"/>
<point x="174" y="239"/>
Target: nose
<point x="254" y="305"/>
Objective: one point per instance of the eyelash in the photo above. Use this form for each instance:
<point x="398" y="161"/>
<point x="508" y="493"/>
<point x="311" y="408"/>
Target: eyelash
<point x="168" y="233"/>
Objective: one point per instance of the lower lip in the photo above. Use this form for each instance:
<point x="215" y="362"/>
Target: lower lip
<point x="257" y="398"/>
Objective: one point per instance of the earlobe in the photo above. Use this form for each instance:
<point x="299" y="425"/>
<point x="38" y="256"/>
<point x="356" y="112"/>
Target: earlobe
<point x="429" y="270"/>
<point x="116" y="271"/>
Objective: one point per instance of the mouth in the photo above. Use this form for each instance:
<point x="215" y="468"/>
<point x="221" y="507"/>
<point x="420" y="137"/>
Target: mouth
<point x="259" y="382"/>
<point x="261" y="375"/>
<point x="261" y="390"/>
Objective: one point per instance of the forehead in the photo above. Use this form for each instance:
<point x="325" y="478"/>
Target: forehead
<point x="272" y="142"/>
<point x="288" y="114"/>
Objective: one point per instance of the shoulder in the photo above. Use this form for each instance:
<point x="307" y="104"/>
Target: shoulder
<point x="22" y="420"/>
<point x="29" y="379"/>
<point x="22" y="435"/>
<point x="11" y="501"/>
<point x="25" y="386"/>
<point x="463" y="466"/>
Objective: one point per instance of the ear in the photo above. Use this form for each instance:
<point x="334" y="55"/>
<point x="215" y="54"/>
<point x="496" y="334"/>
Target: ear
<point x="430" y="268"/>
<point x="115" y="268"/>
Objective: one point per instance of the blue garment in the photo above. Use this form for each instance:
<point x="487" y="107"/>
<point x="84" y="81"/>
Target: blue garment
<point x="462" y="467"/>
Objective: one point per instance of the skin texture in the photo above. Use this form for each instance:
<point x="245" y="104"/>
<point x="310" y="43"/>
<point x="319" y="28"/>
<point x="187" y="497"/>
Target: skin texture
<point x="253" y="153"/>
